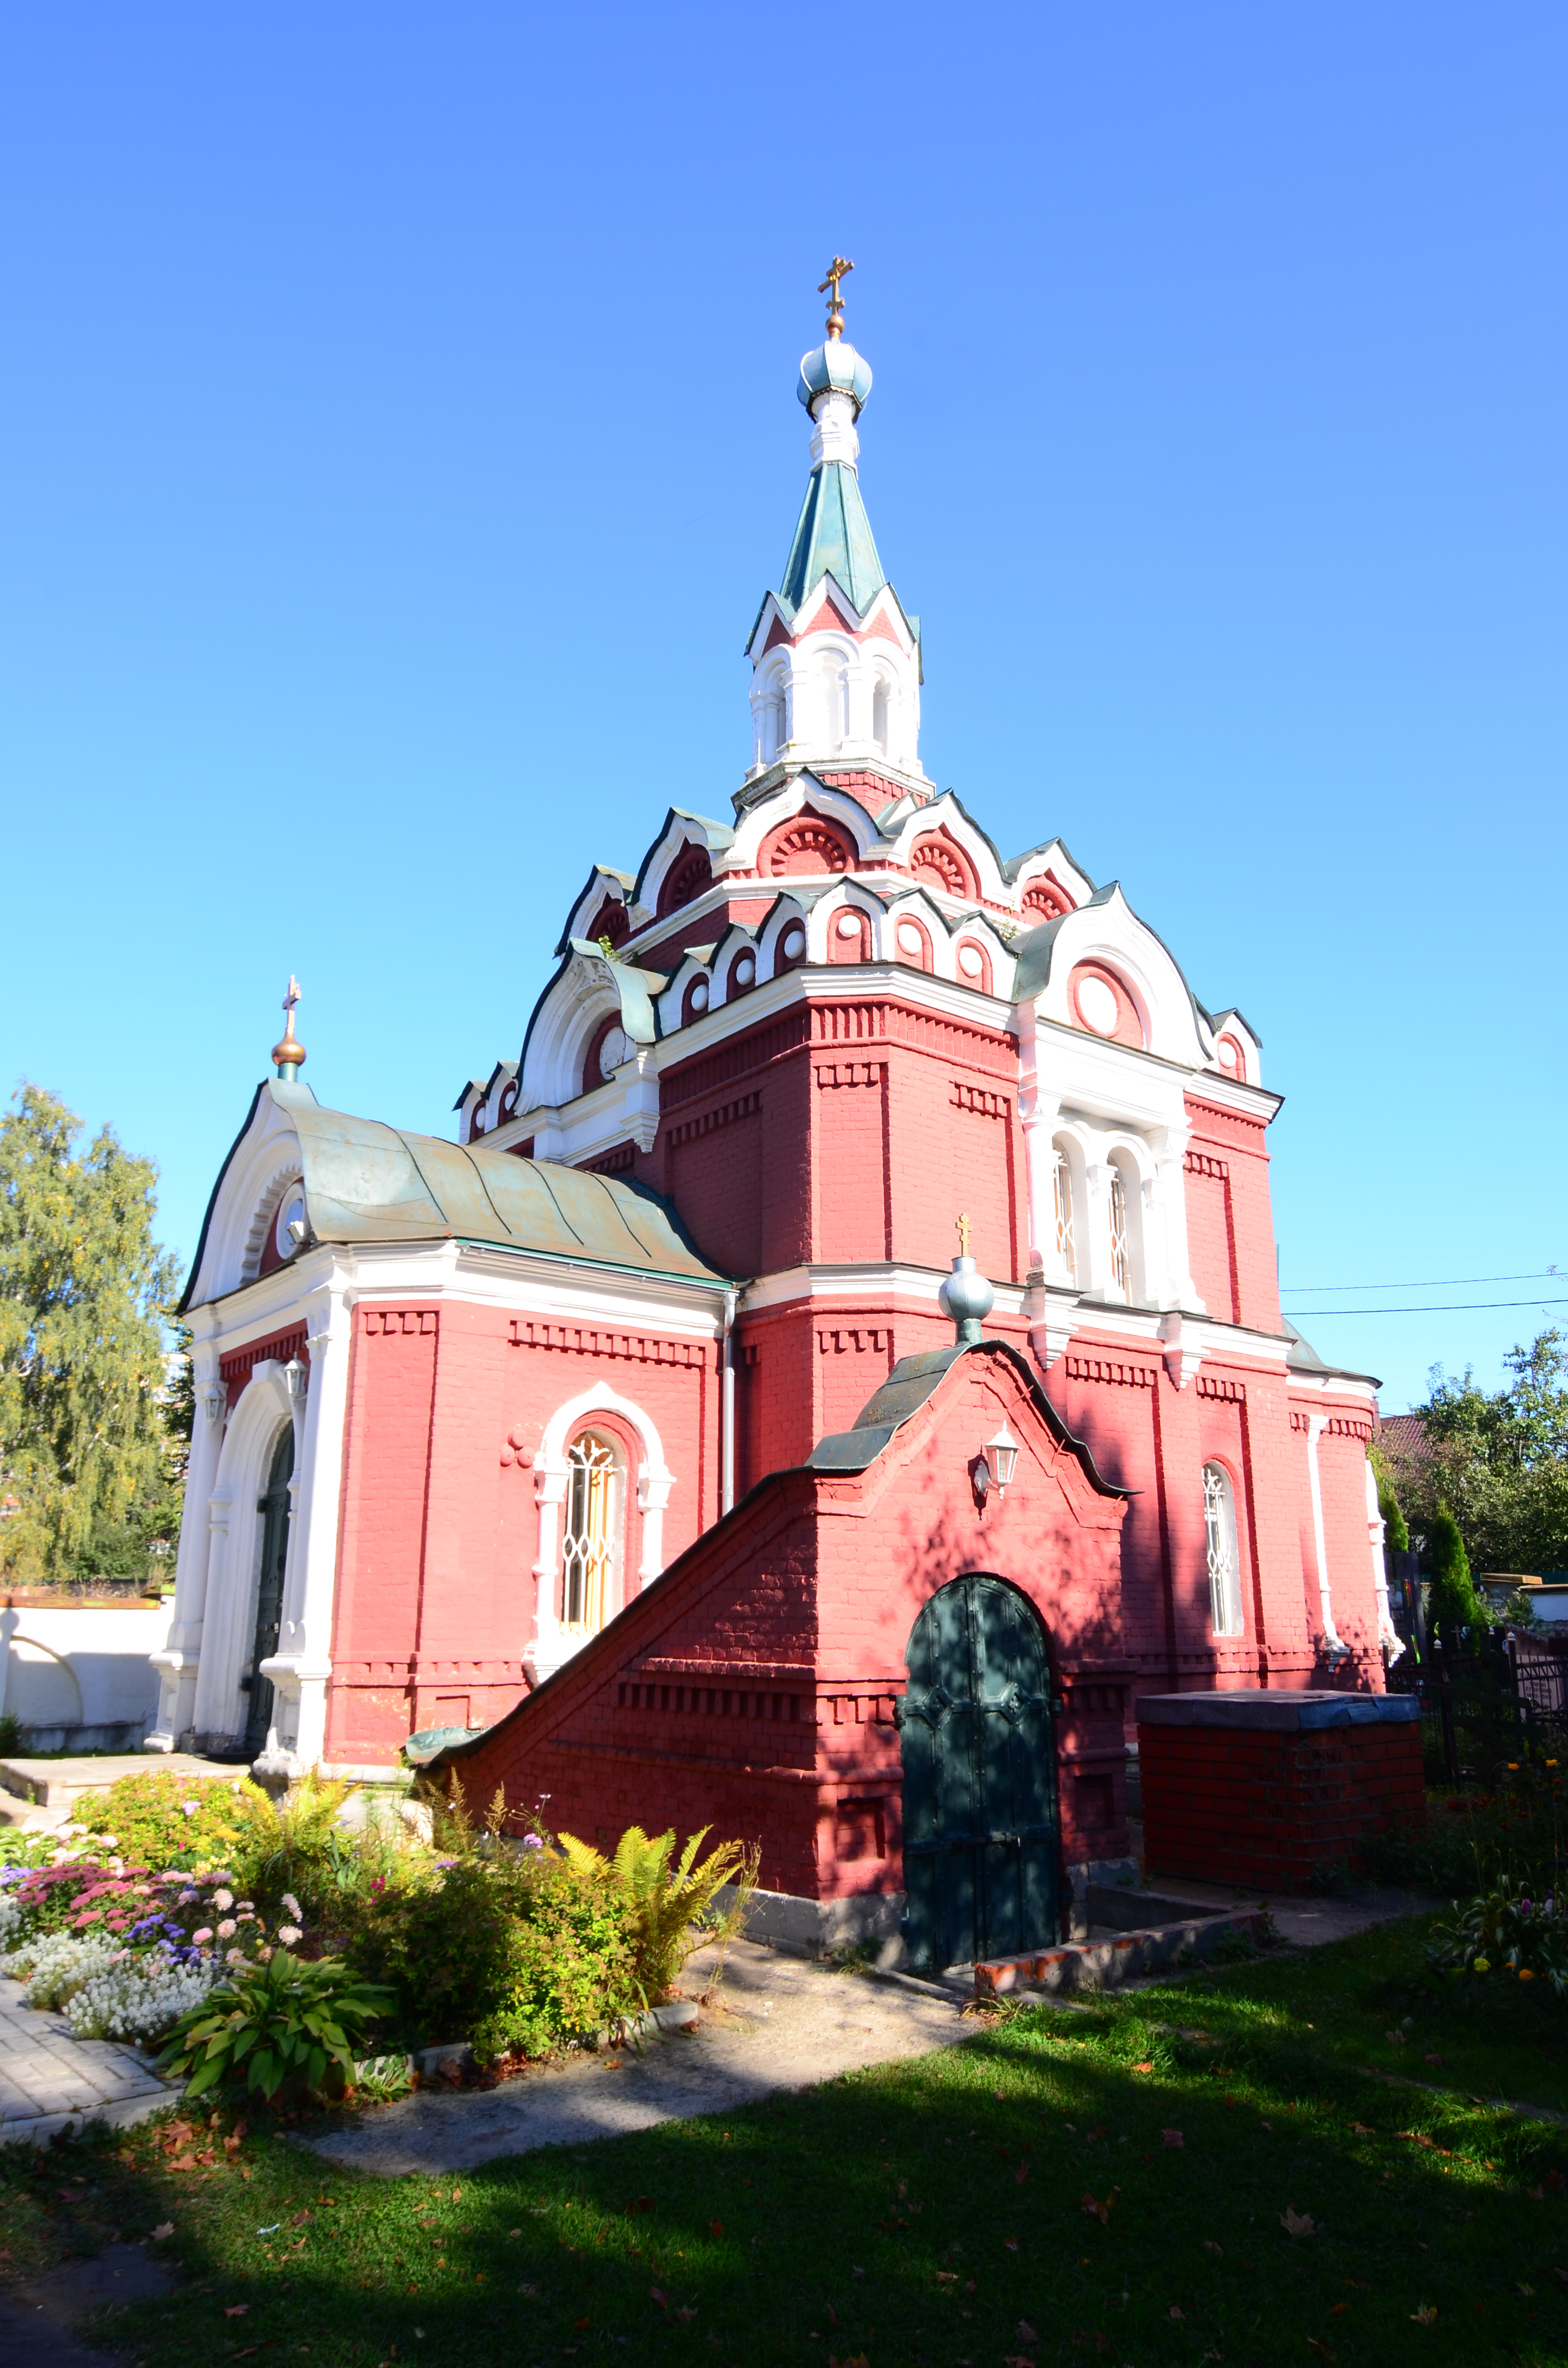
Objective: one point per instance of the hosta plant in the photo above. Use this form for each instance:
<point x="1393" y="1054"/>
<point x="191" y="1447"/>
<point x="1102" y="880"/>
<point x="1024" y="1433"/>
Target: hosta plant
<point x="286" y="2025"/>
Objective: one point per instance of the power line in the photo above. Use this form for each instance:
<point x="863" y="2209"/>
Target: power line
<point x="1439" y="1282"/>
<point x="1458" y="1307"/>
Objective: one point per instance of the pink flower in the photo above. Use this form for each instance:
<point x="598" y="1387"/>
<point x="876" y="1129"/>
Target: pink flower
<point x="201" y="1938"/>
<point x="289" y="1934"/>
<point x="292" y="1904"/>
<point x="189" y="1809"/>
<point x="223" y="1899"/>
<point x="236" y="1957"/>
<point x="227" y="1928"/>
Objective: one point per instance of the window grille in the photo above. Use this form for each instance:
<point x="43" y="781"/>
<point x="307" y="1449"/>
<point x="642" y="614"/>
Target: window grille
<point x="1062" y="1205"/>
<point x="587" y="1552"/>
<point x="1225" y="1571"/>
<point x="1120" y="1266"/>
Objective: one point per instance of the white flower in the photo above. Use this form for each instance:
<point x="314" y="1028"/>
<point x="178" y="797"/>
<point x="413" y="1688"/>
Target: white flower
<point x="292" y="1904"/>
<point x="223" y="1899"/>
<point x="289" y="1934"/>
<point x="227" y="1928"/>
<point x="236" y="1957"/>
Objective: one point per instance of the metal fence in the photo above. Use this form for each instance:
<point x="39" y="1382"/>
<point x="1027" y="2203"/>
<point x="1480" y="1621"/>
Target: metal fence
<point x="1505" y="1700"/>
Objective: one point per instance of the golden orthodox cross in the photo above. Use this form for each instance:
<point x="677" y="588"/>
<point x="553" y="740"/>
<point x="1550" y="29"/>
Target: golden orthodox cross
<point x="963" y="1235"/>
<point x="290" y="1000"/>
<point x="835" y="271"/>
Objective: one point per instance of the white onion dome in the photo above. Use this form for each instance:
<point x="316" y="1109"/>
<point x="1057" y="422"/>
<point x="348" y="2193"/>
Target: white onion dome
<point x="834" y="368"/>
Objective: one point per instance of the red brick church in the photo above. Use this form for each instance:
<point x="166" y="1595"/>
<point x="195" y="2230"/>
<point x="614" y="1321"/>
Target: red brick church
<point x="650" y="1435"/>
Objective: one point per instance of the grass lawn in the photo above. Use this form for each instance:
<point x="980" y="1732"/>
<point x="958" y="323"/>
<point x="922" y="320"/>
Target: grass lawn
<point x="1120" y="2182"/>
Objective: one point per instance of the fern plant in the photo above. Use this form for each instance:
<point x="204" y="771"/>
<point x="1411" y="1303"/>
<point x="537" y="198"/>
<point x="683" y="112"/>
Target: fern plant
<point x="668" y="1903"/>
<point x="284" y="2025"/>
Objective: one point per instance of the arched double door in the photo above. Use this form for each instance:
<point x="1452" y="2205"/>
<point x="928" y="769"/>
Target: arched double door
<point x="982" y="1855"/>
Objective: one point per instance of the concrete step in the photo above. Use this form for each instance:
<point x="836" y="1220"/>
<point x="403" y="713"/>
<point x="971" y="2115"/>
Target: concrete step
<point x="58" y="1784"/>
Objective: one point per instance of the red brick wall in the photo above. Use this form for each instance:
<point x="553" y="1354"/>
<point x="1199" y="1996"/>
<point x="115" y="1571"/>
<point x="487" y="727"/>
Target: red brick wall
<point x="753" y="1686"/>
<point x="1262" y="1809"/>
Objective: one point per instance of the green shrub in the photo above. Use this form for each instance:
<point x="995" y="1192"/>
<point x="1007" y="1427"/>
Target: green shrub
<point x="668" y="1904"/>
<point x="511" y="1952"/>
<point x="284" y="2027"/>
<point x="1507" y="1934"/>
<point x="13" y="1736"/>
<point x="163" y="1820"/>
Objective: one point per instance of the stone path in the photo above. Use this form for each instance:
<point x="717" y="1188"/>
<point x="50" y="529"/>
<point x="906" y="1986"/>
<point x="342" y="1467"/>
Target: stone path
<point x="48" y="2078"/>
<point x="786" y="2023"/>
<point x="37" y="2319"/>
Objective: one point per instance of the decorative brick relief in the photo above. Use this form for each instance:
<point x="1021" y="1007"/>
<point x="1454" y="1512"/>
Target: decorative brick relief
<point x="1202" y="1163"/>
<point x="1299" y="1421"/>
<point x="383" y="1322"/>
<point x="839" y="1342"/>
<point x="1349" y="1426"/>
<point x="618" y="1162"/>
<point x="851" y="1073"/>
<point x="1214" y="1385"/>
<point x="977" y="1098"/>
<point x="1106" y="1369"/>
<point x="727" y="1114"/>
<point x="237" y="1367"/>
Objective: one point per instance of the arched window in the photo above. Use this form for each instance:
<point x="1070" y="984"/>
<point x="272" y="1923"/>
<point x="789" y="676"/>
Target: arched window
<point x="834" y="695"/>
<point x="1225" y="1560"/>
<point x="1121" y="1259"/>
<point x="879" y="712"/>
<point x="587" y="1550"/>
<point x="1062" y="1209"/>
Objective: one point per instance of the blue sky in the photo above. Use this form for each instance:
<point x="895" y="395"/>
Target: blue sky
<point x="399" y="433"/>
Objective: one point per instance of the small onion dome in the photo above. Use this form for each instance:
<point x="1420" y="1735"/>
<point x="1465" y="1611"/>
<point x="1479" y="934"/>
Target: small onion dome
<point x="834" y="367"/>
<point x="967" y="1298"/>
<point x="287" y="1052"/>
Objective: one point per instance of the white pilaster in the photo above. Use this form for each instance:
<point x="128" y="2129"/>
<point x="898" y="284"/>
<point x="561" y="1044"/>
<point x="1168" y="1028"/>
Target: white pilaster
<point x="302" y="1663"/>
<point x="1336" y="1648"/>
<point x="177" y="1663"/>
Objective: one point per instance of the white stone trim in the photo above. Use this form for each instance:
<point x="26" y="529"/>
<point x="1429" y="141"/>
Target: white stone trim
<point x="233" y="1565"/>
<point x="1337" y="1648"/>
<point x="553" y="1646"/>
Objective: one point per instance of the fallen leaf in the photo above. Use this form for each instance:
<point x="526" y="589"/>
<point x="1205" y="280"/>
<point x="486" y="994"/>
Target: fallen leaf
<point x="1144" y="2068"/>
<point x="580" y="2325"/>
<point x="1025" y="2332"/>
<point x="1210" y="2247"/>
<point x="1011" y="2243"/>
<point x="1177" y="2311"/>
<point x="1016" y="2360"/>
<point x="1425" y="2314"/>
<point x="166" y="2229"/>
<point x="661" y="2299"/>
<point x="1321" y="2348"/>
<point x="1335" y="2307"/>
<point x="716" y="2227"/>
<point x="1434" y="2060"/>
<point x="951" y="2277"/>
<point x="639" y="2203"/>
<point x="1359" y="2129"/>
<point x="1172" y="2138"/>
<point x="1297" y="2224"/>
<point x="685" y="2316"/>
<point x="236" y="2310"/>
<point x="1021" y="2173"/>
<point x="1528" y="2291"/>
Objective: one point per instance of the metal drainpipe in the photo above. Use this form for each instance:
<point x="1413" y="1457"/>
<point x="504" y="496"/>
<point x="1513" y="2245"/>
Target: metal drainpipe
<point x="727" y="1414"/>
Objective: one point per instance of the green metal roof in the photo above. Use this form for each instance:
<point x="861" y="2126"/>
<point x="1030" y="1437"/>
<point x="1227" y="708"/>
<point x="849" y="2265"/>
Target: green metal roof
<point x="367" y="1182"/>
<point x="832" y="538"/>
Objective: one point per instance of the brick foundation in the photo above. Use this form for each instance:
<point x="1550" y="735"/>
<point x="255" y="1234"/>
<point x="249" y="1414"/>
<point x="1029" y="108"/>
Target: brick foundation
<point x="1260" y="1788"/>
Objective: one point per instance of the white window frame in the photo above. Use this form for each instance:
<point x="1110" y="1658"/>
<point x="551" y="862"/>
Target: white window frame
<point x="592" y="1555"/>
<point x="1224" y="1553"/>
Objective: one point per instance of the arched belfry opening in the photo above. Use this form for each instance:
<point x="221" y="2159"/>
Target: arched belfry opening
<point x="982" y="1852"/>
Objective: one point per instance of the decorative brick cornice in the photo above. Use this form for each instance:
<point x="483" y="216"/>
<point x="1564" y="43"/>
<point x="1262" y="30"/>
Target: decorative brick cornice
<point x="1202" y="1163"/>
<point x="584" y="1341"/>
<point x="850" y="1072"/>
<point x="384" y="1321"/>
<point x="1216" y="1385"/>
<point x="618" y="1162"/>
<point x="1349" y="1426"/>
<point x="1299" y="1421"/>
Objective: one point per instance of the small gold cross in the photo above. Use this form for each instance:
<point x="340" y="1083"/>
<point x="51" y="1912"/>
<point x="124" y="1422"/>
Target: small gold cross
<point x="835" y="271"/>
<point x="963" y="1235"/>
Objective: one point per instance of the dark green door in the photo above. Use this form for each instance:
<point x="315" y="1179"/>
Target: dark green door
<point x="274" y="1510"/>
<point x="980" y="1858"/>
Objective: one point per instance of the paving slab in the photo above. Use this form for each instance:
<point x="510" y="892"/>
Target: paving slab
<point x="1309" y="1922"/>
<point x="784" y="2023"/>
<point x="58" y="1784"/>
<point x="50" y="2079"/>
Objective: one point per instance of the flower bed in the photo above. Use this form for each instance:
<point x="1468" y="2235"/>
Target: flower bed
<point x="178" y="1901"/>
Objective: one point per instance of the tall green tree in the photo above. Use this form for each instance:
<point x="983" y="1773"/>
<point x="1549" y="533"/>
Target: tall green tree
<point x="89" y="1466"/>
<point x="1497" y="1460"/>
<point x="1452" y="1604"/>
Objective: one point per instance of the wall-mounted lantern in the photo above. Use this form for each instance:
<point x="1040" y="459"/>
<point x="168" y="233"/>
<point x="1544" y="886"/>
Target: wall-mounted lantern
<point x="215" y="1398"/>
<point x="294" y="1379"/>
<point x="1001" y="1455"/>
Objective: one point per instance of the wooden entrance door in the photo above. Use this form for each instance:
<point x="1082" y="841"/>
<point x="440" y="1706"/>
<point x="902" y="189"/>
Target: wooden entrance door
<point x="980" y="1853"/>
<point x="274" y="1510"/>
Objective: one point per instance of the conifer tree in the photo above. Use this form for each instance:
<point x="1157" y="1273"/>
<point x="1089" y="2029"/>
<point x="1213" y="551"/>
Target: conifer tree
<point x="1453" y="1602"/>
<point x="85" y="1459"/>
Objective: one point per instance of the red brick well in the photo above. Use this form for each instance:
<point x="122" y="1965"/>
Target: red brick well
<point x="1259" y="1788"/>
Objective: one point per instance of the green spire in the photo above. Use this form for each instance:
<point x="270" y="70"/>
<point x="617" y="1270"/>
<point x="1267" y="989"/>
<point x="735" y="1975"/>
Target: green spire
<point x="833" y="537"/>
